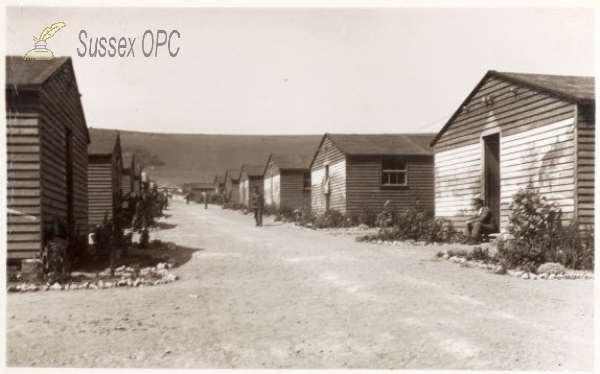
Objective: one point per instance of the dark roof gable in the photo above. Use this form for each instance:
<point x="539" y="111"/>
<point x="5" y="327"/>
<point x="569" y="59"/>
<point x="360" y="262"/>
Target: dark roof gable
<point x="253" y="170"/>
<point x="288" y="161"/>
<point x="103" y="142"/>
<point x="29" y="74"/>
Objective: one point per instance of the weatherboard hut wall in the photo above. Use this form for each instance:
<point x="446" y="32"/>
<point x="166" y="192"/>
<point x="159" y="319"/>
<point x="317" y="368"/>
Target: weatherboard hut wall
<point x="252" y="183"/>
<point x="271" y="184"/>
<point x="61" y="114"/>
<point x="364" y="191"/>
<point x="37" y="126"/>
<point x="293" y="194"/>
<point x="117" y="178"/>
<point x="126" y="182"/>
<point x="244" y="188"/>
<point x="24" y="228"/>
<point x="136" y="184"/>
<point x="586" y="152"/>
<point x="232" y="190"/>
<point x="100" y="189"/>
<point x="536" y="145"/>
<point x="328" y="154"/>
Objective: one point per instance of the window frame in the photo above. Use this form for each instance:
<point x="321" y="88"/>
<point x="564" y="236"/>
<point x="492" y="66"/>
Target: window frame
<point x="306" y="187"/>
<point x="394" y="171"/>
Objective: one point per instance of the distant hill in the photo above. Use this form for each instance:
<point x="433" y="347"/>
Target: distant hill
<point x="198" y="157"/>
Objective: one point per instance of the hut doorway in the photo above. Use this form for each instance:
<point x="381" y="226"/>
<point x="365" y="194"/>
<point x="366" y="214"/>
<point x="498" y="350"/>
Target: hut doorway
<point x="491" y="174"/>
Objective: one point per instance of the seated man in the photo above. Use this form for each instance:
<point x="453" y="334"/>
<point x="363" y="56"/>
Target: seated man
<point x="482" y="223"/>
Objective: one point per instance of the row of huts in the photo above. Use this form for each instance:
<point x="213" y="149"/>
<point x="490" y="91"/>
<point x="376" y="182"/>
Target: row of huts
<point x="511" y="131"/>
<point x="57" y="170"/>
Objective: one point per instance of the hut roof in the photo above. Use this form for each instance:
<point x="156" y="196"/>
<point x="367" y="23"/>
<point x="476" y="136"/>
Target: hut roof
<point x="127" y="159"/>
<point x="253" y="170"/>
<point x="25" y="74"/>
<point x="234" y="174"/>
<point x="570" y="87"/>
<point x="30" y="76"/>
<point x="102" y="143"/>
<point x="578" y="89"/>
<point x="293" y="161"/>
<point x="382" y="144"/>
<point x="219" y="178"/>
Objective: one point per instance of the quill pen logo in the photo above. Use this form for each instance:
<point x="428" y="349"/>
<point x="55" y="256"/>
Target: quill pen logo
<point x="40" y="52"/>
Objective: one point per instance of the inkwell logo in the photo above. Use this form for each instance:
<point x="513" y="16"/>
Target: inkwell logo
<point x="40" y="52"/>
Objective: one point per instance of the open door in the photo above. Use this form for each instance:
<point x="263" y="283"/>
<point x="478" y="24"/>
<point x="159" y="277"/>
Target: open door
<point x="491" y="174"/>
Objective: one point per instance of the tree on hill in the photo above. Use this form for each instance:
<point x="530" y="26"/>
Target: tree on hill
<point x="144" y="158"/>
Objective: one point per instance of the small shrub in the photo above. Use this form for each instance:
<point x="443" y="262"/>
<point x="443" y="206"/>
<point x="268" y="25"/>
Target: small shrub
<point x="331" y="219"/>
<point x="540" y="237"/>
<point x="457" y="253"/>
<point x="217" y="199"/>
<point x="479" y="254"/>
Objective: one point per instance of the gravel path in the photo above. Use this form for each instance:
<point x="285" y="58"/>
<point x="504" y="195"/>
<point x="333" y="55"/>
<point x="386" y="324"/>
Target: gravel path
<point x="281" y="297"/>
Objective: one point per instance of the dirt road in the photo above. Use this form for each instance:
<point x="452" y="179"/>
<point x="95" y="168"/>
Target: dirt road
<point x="282" y="297"/>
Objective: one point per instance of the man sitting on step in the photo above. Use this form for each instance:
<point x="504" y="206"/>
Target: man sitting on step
<point x="481" y="224"/>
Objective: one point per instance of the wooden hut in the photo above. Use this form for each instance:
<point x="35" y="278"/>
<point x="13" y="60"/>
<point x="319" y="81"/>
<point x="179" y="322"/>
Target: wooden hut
<point x="354" y="173"/>
<point x="232" y="188"/>
<point x="105" y="167"/>
<point x="287" y="181"/>
<point x="128" y="172"/>
<point x="513" y="130"/>
<point x="250" y="176"/>
<point x="46" y="144"/>
<point x="195" y="189"/>
<point x="137" y="178"/>
<point x="219" y="184"/>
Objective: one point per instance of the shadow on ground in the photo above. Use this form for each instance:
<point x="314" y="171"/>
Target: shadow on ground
<point x="152" y="256"/>
<point x="164" y="225"/>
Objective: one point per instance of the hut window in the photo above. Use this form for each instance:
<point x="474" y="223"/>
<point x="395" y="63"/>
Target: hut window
<point x="394" y="172"/>
<point x="306" y="180"/>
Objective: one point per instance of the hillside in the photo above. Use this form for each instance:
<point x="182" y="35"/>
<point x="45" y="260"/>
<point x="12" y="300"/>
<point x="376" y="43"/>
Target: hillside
<point x="198" y="157"/>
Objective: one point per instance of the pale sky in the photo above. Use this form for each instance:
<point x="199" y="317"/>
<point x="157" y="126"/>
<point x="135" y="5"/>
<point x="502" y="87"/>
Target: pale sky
<point x="303" y="71"/>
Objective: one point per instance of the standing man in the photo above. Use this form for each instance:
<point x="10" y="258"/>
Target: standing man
<point x="257" y="203"/>
<point x="187" y="197"/>
<point x="205" y="199"/>
<point x="482" y="223"/>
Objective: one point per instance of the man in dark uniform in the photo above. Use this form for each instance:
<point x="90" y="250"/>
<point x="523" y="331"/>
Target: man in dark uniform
<point x="257" y="203"/>
<point x="482" y="223"/>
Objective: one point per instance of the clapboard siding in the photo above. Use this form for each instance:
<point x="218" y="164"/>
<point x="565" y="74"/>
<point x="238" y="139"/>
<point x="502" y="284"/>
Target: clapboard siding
<point x="232" y="189"/>
<point x="539" y="145"/>
<point x="23" y="187"/>
<point x="365" y="192"/>
<point x="126" y="182"/>
<point x="246" y="187"/>
<point x="100" y="190"/>
<point x="541" y="164"/>
<point x="271" y="179"/>
<point x="62" y="114"/>
<point x="513" y="112"/>
<point x="328" y="154"/>
<point x="288" y="187"/>
<point x="39" y="121"/>
<point x="293" y="194"/>
<point x="586" y="148"/>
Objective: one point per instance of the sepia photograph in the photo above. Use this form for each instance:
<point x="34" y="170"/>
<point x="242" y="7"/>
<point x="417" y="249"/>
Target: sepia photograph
<point x="364" y="186"/>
